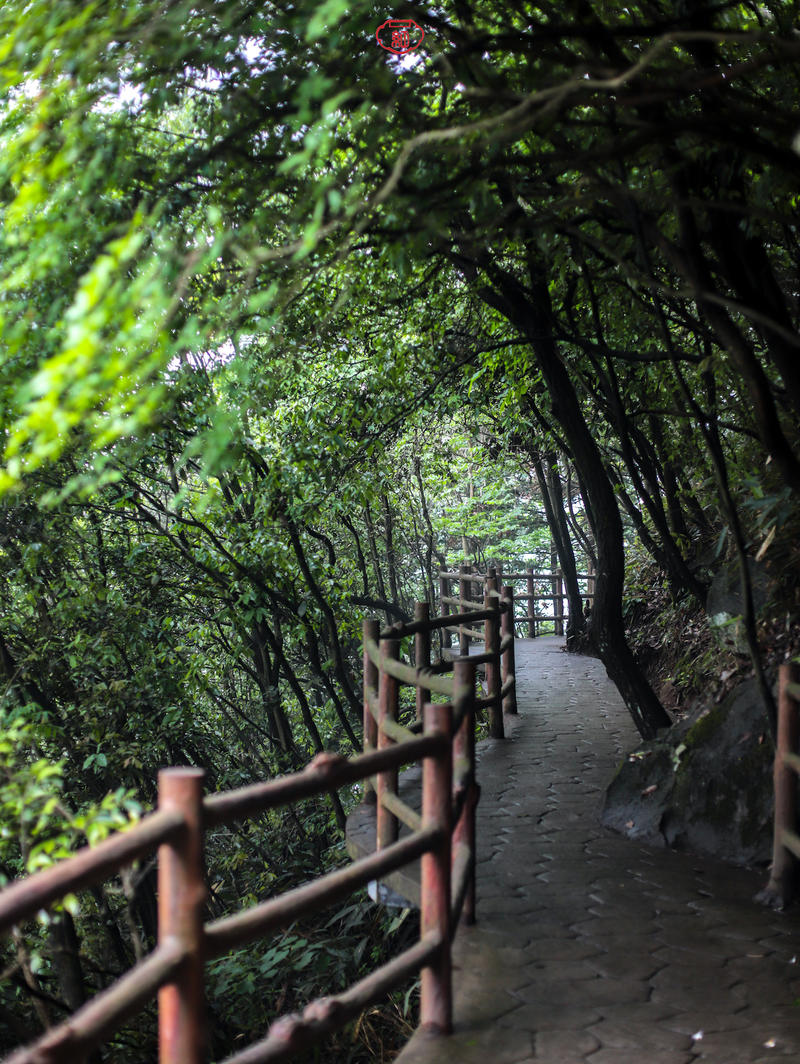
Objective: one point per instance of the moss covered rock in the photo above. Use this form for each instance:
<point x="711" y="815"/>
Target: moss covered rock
<point x="705" y="787"/>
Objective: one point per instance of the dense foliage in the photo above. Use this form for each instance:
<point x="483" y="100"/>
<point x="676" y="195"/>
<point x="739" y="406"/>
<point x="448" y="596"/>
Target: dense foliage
<point x="289" y="323"/>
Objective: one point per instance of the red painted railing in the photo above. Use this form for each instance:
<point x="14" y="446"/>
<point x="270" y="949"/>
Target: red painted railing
<point x="442" y="837"/>
<point x="496" y="614"/>
<point x="538" y="587"/>
<point x="782" y="886"/>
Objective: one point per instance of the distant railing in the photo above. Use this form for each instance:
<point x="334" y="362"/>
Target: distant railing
<point x="782" y="885"/>
<point x="496" y="615"/>
<point x="539" y="587"/>
<point x="442" y="835"/>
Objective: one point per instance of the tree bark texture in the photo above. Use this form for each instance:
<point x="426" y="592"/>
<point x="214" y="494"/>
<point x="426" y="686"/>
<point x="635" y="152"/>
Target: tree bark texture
<point x="529" y="309"/>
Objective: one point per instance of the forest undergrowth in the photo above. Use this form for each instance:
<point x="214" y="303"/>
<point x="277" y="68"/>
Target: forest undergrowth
<point x="689" y="664"/>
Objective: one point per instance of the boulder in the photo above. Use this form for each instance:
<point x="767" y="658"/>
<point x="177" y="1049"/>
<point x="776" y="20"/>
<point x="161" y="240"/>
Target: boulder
<point x="706" y="786"/>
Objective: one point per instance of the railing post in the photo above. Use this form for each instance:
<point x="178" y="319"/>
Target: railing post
<point x="531" y="606"/>
<point x="436" y="995"/>
<point x="464" y="749"/>
<point x="558" y="592"/>
<point x="491" y="628"/>
<point x="591" y="581"/>
<point x="181" y="898"/>
<point x="464" y="586"/>
<point x="422" y="653"/>
<point x="371" y="631"/>
<point x="444" y="609"/>
<point x="386" y="822"/>
<point x="781" y="880"/>
<point x="509" y="658"/>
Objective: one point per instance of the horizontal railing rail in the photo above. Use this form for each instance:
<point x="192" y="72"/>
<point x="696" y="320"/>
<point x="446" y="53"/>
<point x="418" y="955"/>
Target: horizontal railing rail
<point x="87" y="868"/>
<point x="496" y="614"/>
<point x="441" y="836"/>
<point x="513" y="576"/>
<point x="106" y="1012"/>
<point x="539" y="587"/>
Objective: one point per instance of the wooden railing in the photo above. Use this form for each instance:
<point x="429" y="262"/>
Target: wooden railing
<point x="783" y="885"/>
<point x="441" y="836"/>
<point x="496" y="616"/>
<point x="534" y="583"/>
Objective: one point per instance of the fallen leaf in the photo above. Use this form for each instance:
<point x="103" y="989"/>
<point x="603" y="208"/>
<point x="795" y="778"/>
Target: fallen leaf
<point x="762" y="550"/>
<point x="770" y="1043"/>
<point x="629" y="824"/>
<point x="649" y="790"/>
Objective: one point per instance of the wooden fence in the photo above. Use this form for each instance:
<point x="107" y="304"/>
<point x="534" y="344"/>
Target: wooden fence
<point x="442" y="838"/>
<point x="539" y="587"/>
<point x="495" y="615"/>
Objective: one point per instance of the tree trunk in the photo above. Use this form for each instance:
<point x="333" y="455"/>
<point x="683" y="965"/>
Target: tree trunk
<point x="373" y="553"/>
<point x="553" y="499"/>
<point x="530" y="311"/>
<point x="279" y="728"/>
<point x="391" y="557"/>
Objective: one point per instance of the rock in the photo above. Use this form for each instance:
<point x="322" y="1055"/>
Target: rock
<point x="706" y="786"/>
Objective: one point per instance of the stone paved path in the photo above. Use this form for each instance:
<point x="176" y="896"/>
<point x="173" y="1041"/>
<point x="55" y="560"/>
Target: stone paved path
<point x="590" y="947"/>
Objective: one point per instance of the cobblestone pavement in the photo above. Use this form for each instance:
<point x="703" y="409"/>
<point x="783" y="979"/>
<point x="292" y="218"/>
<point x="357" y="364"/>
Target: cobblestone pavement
<point x="590" y="947"/>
